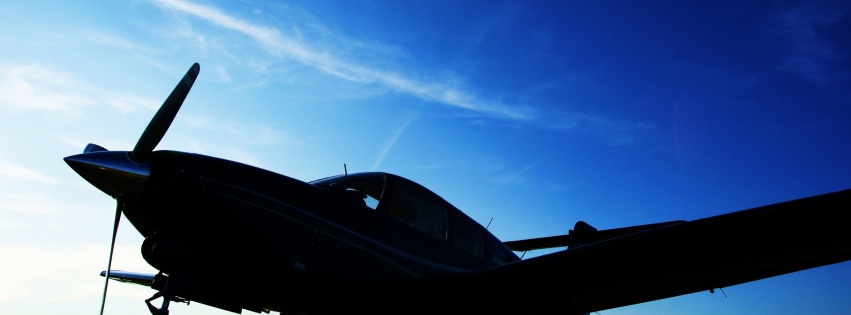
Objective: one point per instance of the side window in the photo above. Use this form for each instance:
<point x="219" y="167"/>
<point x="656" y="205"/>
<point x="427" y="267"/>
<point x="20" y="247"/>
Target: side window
<point x="498" y="254"/>
<point x="467" y="236"/>
<point x="419" y="211"/>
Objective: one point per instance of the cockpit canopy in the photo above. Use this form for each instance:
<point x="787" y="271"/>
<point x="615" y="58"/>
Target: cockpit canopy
<point x="420" y="209"/>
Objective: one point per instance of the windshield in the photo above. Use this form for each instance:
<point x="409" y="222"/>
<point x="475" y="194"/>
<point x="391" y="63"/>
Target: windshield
<point x="368" y="188"/>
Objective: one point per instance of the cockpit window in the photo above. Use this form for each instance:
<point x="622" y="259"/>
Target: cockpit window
<point x="498" y="254"/>
<point x="365" y="188"/>
<point x="419" y="211"/>
<point x="467" y="235"/>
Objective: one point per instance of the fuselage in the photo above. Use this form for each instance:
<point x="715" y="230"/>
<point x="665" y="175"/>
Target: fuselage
<point x="205" y="217"/>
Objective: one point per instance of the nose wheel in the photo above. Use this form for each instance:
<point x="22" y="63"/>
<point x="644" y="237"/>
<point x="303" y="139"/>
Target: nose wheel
<point x="167" y="299"/>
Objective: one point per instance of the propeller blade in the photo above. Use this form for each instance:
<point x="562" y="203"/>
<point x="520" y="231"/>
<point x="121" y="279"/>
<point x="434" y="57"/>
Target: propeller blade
<point x="165" y="115"/>
<point x="119" y="201"/>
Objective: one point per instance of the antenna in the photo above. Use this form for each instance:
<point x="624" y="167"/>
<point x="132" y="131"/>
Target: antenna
<point x="489" y="223"/>
<point x="345" y="170"/>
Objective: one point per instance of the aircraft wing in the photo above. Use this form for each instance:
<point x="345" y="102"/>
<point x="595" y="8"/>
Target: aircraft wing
<point x="671" y="260"/>
<point x="139" y="278"/>
<point x="581" y="234"/>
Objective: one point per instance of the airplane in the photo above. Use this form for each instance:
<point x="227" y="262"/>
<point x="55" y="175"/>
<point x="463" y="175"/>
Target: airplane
<point x="237" y="237"/>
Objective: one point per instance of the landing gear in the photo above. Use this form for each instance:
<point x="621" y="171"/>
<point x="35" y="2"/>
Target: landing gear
<point x="167" y="298"/>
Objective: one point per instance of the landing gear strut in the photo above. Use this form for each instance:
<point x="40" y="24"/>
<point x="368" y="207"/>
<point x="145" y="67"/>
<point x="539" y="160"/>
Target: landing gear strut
<point x="167" y="298"/>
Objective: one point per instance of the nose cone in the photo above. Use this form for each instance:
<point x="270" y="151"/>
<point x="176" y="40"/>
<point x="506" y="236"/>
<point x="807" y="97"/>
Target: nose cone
<point x="111" y="171"/>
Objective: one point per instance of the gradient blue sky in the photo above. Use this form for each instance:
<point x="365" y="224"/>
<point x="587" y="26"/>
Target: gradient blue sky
<point x="535" y="114"/>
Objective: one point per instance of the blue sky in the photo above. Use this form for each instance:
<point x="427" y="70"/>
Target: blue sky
<point x="534" y="114"/>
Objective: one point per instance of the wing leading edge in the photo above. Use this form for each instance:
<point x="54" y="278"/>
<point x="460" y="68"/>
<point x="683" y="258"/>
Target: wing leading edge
<point x="139" y="278"/>
<point x="663" y="262"/>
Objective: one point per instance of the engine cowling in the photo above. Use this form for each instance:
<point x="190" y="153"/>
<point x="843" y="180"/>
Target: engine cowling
<point x="169" y="253"/>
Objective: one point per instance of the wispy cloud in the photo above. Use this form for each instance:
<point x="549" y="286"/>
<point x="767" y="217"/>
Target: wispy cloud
<point x="613" y="131"/>
<point x="139" y="51"/>
<point x="321" y="54"/>
<point x="18" y="172"/>
<point x="29" y="203"/>
<point x="36" y="88"/>
<point x="222" y="74"/>
<point x="392" y="141"/>
<point x="487" y="25"/>
<point x="811" y="35"/>
<point x="29" y="87"/>
<point x="517" y="175"/>
<point x="293" y="48"/>
<point x="242" y="134"/>
<point x="254" y="133"/>
<point x="52" y="273"/>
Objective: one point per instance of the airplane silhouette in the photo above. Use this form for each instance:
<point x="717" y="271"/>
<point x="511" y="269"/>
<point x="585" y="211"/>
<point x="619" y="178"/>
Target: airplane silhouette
<point x="237" y="237"/>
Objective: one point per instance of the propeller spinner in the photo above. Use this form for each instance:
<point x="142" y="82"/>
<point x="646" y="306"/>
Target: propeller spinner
<point x="123" y="174"/>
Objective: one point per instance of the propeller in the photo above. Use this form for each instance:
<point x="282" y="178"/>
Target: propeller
<point x="110" y="165"/>
<point x="162" y="119"/>
<point x="119" y="202"/>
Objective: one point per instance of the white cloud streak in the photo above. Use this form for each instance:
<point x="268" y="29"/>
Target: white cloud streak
<point x="810" y="51"/>
<point x="392" y="141"/>
<point x="285" y="46"/>
<point x="28" y="203"/>
<point x="517" y="175"/>
<point x="614" y="132"/>
<point x="56" y="273"/>
<point x="26" y="88"/>
<point x="18" y="172"/>
<point x="139" y="51"/>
